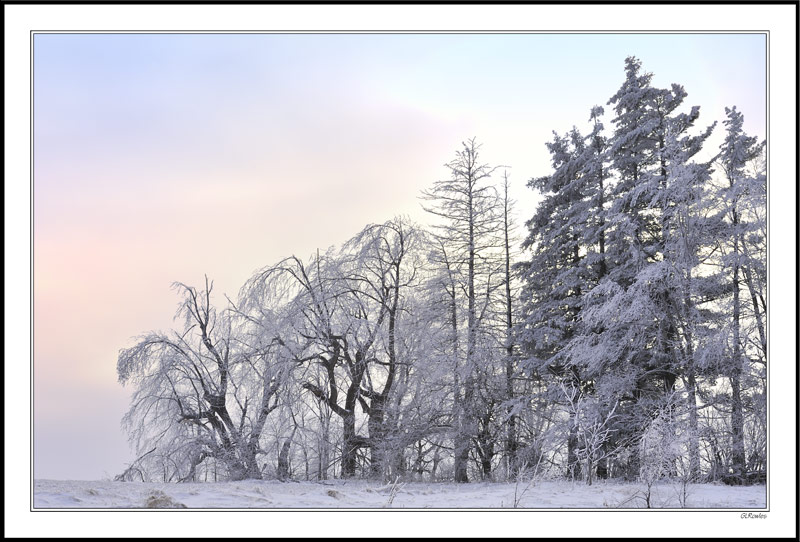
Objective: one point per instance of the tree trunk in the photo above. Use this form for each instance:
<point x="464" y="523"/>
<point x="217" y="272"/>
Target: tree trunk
<point x="511" y="428"/>
<point x="485" y="447"/>
<point x="462" y="440"/>
<point x="737" y="416"/>
<point x="349" y="446"/>
<point x="324" y="457"/>
<point x="283" y="458"/>
<point x="602" y="469"/>
<point x="486" y="467"/>
<point x="694" y="437"/>
<point x="247" y="468"/>
<point x="460" y="447"/>
<point x="691" y="383"/>
<point x="573" y="464"/>
<point x="399" y="466"/>
<point x="762" y="334"/>
<point x="589" y="469"/>
<point x="377" y="436"/>
<point x="461" y="458"/>
<point x="465" y="434"/>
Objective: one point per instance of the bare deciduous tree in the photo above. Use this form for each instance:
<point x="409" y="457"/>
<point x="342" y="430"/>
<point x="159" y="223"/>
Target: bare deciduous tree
<point x="204" y="391"/>
<point x="470" y="233"/>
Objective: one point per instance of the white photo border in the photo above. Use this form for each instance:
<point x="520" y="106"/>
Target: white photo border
<point x="776" y="19"/>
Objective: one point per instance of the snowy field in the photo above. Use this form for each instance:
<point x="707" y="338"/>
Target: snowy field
<point x="370" y="494"/>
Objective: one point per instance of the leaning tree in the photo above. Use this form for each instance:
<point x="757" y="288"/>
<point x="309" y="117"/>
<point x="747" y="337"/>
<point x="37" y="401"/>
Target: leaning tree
<point x="202" y="392"/>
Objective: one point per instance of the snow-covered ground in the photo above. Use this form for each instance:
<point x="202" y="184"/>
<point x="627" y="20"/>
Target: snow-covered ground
<point x="371" y="494"/>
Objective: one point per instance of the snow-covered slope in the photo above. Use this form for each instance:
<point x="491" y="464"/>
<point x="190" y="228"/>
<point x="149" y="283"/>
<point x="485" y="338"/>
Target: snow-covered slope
<point x="370" y="494"/>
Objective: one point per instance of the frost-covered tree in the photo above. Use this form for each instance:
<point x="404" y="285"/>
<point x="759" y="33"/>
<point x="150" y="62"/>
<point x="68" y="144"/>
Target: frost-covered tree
<point x="509" y="254"/>
<point x="651" y="242"/>
<point x="342" y="312"/>
<point x="590" y="422"/>
<point x="388" y="265"/>
<point x="202" y="392"/>
<point x="622" y="294"/>
<point x="555" y="276"/>
<point x="469" y="233"/>
<point x="567" y="239"/>
<point x="331" y="333"/>
<point x="691" y="227"/>
<point x="745" y="203"/>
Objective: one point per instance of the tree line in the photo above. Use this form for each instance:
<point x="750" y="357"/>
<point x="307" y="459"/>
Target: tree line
<point x="624" y="337"/>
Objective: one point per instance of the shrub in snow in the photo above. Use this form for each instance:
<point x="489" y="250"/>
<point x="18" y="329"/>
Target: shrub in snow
<point x="159" y="499"/>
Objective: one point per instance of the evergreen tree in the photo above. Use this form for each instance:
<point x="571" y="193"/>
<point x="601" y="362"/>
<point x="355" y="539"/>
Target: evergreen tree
<point x="568" y="242"/>
<point x="736" y="153"/>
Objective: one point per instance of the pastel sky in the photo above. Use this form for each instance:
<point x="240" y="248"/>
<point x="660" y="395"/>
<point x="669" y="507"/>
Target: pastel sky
<point x="166" y="157"/>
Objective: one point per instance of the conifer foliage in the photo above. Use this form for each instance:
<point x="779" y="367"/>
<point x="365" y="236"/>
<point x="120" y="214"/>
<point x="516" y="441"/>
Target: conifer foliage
<point x="634" y="290"/>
